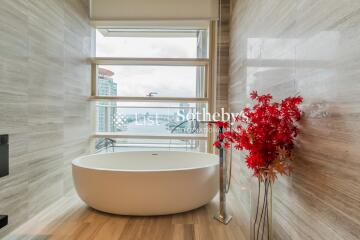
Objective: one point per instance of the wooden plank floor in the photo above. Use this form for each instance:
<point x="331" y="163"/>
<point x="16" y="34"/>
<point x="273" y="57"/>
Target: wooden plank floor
<point x="70" y="218"/>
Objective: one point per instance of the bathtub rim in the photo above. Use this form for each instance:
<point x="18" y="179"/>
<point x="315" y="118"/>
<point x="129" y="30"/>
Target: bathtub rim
<point x="76" y="163"/>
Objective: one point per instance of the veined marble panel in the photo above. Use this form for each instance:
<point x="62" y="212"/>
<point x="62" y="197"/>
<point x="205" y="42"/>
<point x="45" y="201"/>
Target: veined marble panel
<point x="223" y="44"/>
<point x="44" y="84"/>
<point x="311" y="48"/>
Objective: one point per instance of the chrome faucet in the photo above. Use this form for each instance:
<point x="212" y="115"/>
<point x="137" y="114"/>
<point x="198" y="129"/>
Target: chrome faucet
<point x="193" y="130"/>
<point x="222" y="216"/>
<point x="151" y="94"/>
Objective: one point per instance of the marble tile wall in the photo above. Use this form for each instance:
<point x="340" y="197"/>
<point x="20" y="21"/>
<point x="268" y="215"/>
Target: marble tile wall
<point x="44" y="85"/>
<point x="311" y="48"/>
<point x="223" y="45"/>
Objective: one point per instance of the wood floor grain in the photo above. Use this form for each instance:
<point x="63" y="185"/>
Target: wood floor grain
<point x="69" y="218"/>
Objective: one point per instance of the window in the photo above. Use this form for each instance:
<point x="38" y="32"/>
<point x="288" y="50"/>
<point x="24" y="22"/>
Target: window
<point x="159" y="81"/>
<point x="146" y="83"/>
<point x="151" y="43"/>
<point x="154" y="118"/>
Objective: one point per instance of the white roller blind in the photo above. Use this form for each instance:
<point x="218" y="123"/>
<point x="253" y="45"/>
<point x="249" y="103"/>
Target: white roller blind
<point x="153" y="10"/>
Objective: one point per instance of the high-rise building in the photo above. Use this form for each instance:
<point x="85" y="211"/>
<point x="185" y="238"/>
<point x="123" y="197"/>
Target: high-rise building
<point x="106" y="111"/>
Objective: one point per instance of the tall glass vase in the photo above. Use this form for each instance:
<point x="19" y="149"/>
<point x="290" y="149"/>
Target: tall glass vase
<point x="261" y="210"/>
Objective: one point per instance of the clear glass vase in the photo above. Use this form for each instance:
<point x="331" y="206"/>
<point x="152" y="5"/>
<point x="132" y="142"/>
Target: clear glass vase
<point x="261" y="210"/>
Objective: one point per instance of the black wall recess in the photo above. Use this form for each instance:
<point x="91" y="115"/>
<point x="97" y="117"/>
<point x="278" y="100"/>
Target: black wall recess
<point x="4" y="168"/>
<point x="4" y="155"/>
<point x="3" y="220"/>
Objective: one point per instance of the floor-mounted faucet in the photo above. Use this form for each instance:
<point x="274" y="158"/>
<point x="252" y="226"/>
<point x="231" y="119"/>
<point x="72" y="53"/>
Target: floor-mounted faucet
<point x="224" y="183"/>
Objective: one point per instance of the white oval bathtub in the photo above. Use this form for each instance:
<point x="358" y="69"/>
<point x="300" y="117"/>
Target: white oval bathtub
<point x="146" y="182"/>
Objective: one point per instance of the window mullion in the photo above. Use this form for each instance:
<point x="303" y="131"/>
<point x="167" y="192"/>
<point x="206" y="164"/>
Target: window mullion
<point x="151" y="61"/>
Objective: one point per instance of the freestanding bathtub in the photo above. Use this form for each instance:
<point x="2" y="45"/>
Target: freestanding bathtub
<point x="146" y="182"/>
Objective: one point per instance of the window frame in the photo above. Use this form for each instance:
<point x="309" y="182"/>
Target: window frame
<point x="208" y="63"/>
<point x="201" y="62"/>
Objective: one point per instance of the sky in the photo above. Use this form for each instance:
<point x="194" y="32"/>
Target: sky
<point x="167" y="81"/>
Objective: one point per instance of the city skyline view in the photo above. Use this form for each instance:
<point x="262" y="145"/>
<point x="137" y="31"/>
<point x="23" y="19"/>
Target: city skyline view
<point x="117" y="117"/>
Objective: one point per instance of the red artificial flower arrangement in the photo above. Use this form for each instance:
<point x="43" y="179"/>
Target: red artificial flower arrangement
<point x="267" y="131"/>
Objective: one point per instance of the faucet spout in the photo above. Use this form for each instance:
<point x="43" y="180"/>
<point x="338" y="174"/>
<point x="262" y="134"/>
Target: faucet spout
<point x="151" y="94"/>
